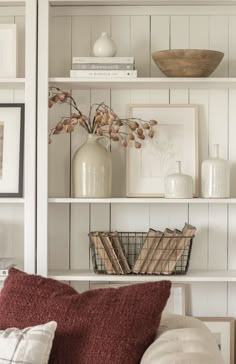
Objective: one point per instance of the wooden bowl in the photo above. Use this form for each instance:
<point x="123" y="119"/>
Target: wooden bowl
<point x="187" y="62"/>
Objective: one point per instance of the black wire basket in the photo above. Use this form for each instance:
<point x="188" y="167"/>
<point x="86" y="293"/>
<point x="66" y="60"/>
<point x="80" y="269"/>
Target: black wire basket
<point x="139" y="253"/>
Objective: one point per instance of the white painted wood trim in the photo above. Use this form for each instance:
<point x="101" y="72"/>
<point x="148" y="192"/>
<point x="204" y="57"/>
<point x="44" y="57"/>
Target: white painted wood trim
<point x="192" y="276"/>
<point x="30" y="137"/>
<point x="12" y="200"/>
<point x="42" y="155"/>
<point x="152" y="200"/>
<point x="143" y="83"/>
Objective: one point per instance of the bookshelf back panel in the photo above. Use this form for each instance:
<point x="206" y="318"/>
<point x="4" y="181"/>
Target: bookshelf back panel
<point x="137" y="32"/>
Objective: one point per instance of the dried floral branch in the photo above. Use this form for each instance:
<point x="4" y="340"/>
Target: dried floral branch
<point x="102" y="121"/>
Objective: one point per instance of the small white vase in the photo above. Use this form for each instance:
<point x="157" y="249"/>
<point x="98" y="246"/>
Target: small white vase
<point x="178" y="185"/>
<point x="92" y="169"/>
<point x="104" y="46"/>
<point x="215" y="176"/>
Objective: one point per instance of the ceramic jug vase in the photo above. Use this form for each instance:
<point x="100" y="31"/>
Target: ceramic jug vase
<point x="92" y="169"/>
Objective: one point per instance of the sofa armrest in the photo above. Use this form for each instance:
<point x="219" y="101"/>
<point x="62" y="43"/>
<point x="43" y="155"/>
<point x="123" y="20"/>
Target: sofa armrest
<point x="182" y="340"/>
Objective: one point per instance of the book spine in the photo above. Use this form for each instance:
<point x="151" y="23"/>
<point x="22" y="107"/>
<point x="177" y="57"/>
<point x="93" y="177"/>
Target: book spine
<point x="120" y="252"/>
<point x="152" y="250"/>
<point x="157" y="256"/>
<point x="111" y="253"/>
<point x="100" y="73"/>
<point x="144" y="251"/>
<point x="102" y="66"/>
<point x="102" y="60"/>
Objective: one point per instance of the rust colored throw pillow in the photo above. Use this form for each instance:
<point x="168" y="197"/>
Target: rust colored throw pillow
<point x="101" y="326"/>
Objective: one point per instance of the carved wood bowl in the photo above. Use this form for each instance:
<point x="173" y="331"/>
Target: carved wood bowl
<point x="187" y="62"/>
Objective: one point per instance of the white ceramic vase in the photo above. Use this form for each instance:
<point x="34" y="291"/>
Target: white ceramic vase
<point x="104" y="46"/>
<point x="215" y="176"/>
<point x="92" y="169"/>
<point x="178" y="185"/>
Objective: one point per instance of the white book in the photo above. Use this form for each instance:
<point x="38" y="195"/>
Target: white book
<point x="102" y="60"/>
<point x="102" y="73"/>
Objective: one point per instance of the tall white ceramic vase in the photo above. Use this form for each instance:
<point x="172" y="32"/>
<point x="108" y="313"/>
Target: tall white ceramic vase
<point x="92" y="169"/>
<point x="215" y="178"/>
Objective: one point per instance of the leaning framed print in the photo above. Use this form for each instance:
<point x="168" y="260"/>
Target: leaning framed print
<point x="11" y="149"/>
<point x="223" y="331"/>
<point x="175" y="139"/>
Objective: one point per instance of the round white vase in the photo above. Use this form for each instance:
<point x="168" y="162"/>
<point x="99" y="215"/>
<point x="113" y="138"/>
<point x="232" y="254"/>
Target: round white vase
<point x="215" y="176"/>
<point x="178" y="185"/>
<point x="104" y="46"/>
<point x="92" y="169"/>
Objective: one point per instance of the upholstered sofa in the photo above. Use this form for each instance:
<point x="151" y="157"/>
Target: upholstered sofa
<point x="182" y="340"/>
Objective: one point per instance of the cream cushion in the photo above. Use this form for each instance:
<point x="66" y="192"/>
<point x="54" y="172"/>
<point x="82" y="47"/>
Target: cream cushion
<point x="28" y="346"/>
<point x="182" y="340"/>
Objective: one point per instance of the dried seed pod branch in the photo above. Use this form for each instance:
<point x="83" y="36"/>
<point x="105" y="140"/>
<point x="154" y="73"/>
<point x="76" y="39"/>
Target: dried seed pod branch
<point x="102" y="121"/>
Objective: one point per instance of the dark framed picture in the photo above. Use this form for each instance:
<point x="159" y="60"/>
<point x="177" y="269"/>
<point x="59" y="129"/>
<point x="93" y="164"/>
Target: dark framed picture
<point x="11" y="149"/>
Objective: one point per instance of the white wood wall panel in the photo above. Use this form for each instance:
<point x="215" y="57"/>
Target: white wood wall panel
<point x="179" y="37"/>
<point x="232" y="144"/>
<point x="231" y="237"/>
<point x="140" y="44"/>
<point x="120" y="27"/>
<point x="209" y="299"/>
<point x="232" y="46"/>
<point x="219" y="39"/>
<point x="20" y="27"/>
<point x="160" y="39"/>
<point x="124" y="216"/>
<point x="81" y="36"/>
<point x="199" y="32"/>
<point x="198" y="216"/>
<point x="218" y="236"/>
<point x="58" y="236"/>
<point x="60" y="46"/>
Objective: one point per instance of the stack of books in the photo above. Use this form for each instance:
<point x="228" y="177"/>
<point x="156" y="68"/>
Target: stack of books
<point x="110" y="251"/>
<point x="114" y="67"/>
<point x="165" y="252"/>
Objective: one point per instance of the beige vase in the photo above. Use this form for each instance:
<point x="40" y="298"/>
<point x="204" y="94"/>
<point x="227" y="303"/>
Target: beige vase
<point x="92" y="169"/>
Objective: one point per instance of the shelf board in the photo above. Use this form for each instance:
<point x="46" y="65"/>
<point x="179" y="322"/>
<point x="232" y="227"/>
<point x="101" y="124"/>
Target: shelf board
<point x="192" y="276"/>
<point x="11" y="200"/>
<point x="12" y="83"/>
<point x="141" y="2"/>
<point x="127" y="200"/>
<point x="142" y="83"/>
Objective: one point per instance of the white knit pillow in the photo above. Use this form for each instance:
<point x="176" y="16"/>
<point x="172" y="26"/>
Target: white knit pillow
<point x="28" y="346"/>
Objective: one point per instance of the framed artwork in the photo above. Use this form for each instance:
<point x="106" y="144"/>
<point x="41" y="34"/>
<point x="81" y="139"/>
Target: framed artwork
<point x="11" y="149"/>
<point x="8" y="50"/>
<point x="223" y="330"/>
<point x="175" y="139"/>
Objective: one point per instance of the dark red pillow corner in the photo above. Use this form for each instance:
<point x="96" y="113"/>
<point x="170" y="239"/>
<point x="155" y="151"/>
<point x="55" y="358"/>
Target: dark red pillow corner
<point x="100" y="326"/>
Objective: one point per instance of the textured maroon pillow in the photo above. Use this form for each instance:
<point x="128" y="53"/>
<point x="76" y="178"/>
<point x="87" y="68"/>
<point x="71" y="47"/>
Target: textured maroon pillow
<point x="101" y="326"/>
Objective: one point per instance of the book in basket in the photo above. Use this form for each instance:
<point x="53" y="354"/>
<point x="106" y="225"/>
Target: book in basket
<point x="144" y="251"/>
<point x="100" y="250"/>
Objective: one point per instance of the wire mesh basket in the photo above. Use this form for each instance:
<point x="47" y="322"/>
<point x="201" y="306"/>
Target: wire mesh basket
<point x="140" y="252"/>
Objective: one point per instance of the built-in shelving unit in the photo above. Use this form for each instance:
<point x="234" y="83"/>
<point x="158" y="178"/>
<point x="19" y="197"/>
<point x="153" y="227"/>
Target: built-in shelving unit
<point x="143" y="83"/>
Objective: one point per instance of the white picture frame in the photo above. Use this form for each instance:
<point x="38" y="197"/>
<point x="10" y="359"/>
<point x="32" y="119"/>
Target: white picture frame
<point x="175" y="138"/>
<point x="11" y="149"/>
<point x="8" y="61"/>
<point x="223" y="330"/>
